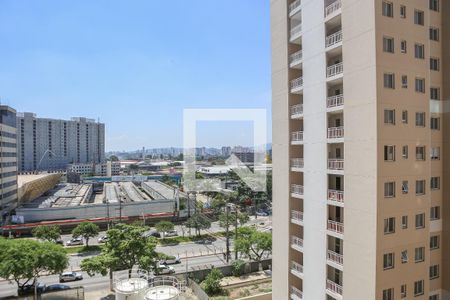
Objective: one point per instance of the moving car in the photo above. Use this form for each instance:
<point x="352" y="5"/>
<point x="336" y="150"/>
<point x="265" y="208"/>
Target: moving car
<point x="75" y="242"/>
<point x="153" y="233"/>
<point x="70" y="276"/>
<point x="28" y="289"/>
<point x="204" y="242"/>
<point x="164" y="270"/>
<point x="170" y="261"/>
<point x="102" y="239"/>
<point x="170" y="233"/>
<point x="56" y="287"/>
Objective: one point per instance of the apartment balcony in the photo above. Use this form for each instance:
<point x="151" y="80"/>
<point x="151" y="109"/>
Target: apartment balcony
<point x="336" y="260"/>
<point x="297" y="217"/>
<point x="296" y="34"/>
<point x="335" y="102"/>
<point x="294" y="7"/>
<point x="297" y="243"/>
<point x="297" y="191"/>
<point x="336" y="198"/>
<point x="333" y="10"/>
<point x="335" y="72"/>
<point x="296" y="294"/>
<point x="297" y="269"/>
<point x="334" y="289"/>
<point x="336" y="164"/>
<point x="297" y="111"/>
<point x="336" y="227"/>
<point x="336" y="132"/>
<point x="296" y="59"/>
<point x="297" y="138"/>
<point x="297" y="86"/>
<point x="333" y="40"/>
<point x="297" y="164"/>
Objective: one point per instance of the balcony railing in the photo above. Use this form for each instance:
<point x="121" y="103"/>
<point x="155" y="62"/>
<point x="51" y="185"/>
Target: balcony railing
<point x="333" y="7"/>
<point x="335" y="226"/>
<point x="336" y="164"/>
<point x="335" y="70"/>
<point x="334" y="101"/>
<point x="336" y="132"/>
<point x="297" y="136"/>
<point x="297" y="215"/>
<point x="297" y="163"/>
<point x="335" y="257"/>
<point x="296" y="267"/>
<point x="296" y="30"/>
<point x="334" y="287"/>
<point x="297" y="189"/>
<point x="296" y="292"/>
<point x="333" y="39"/>
<point x="296" y="241"/>
<point x="296" y="109"/>
<point x="334" y="195"/>
<point x="296" y="57"/>
<point x="297" y="83"/>
<point x="294" y="5"/>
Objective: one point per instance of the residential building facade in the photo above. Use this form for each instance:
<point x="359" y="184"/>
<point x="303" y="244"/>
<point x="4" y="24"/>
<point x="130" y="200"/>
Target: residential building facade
<point x="360" y="143"/>
<point x="52" y="144"/>
<point x="8" y="163"/>
<point x="108" y="168"/>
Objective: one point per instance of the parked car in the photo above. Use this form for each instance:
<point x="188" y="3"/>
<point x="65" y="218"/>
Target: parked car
<point x="75" y="242"/>
<point x="59" y="242"/>
<point x="102" y="239"/>
<point x="153" y="233"/>
<point x="56" y="287"/>
<point x="28" y="289"/>
<point x="70" y="276"/>
<point x="170" y="261"/>
<point x="262" y="213"/>
<point x="170" y="233"/>
<point x="164" y="270"/>
<point x="204" y="242"/>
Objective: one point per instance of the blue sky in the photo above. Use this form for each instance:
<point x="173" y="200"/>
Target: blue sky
<point x="136" y="65"/>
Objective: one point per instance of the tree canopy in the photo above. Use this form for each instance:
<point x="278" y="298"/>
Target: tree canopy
<point x="242" y="218"/>
<point x="253" y="243"/>
<point x="163" y="226"/>
<point x="50" y="233"/>
<point x="198" y="222"/>
<point x="86" y="230"/>
<point x="23" y="260"/>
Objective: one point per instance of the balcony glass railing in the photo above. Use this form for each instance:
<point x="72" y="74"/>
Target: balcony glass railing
<point x="297" y="215"/>
<point x="335" y="70"/>
<point x="334" y="287"/>
<point x="296" y="267"/>
<point x="335" y="226"/>
<point x="294" y="5"/>
<point x="335" y="195"/>
<point x="333" y="39"/>
<point x="296" y="30"/>
<point x="336" y="132"/>
<point x="296" y="109"/>
<point x="297" y="163"/>
<point x="296" y="242"/>
<point x="336" y="164"/>
<point x="297" y="83"/>
<point x="335" y="101"/>
<point x="297" y="136"/>
<point x="335" y="257"/>
<point x="296" y="292"/>
<point x="296" y="57"/>
<point x="336" y="5"/>
<point x="297" y="189"/>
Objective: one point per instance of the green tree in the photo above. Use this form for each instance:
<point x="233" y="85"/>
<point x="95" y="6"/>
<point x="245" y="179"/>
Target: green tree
<point x="242" y="218"/>
<point x="198" y="222"/>
<point x="164" y="226"/>
<point x="50" y="233"/>
<point x="24" y="260"/>
<point x="127" y="246"/>
<point x="218" y="202"/>
<point x="86" y="230"/>
<point x="211" y="284"/>
<point x="113" y="158"/>
<point x="253" y="243"/>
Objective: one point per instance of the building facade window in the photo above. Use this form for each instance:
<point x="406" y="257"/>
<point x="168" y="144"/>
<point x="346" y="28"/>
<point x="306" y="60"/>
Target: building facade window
<point x="435" y="153"/>
<point x="388" y="9"/>
<point x="403" y="46"/>
<point x="419" y="51"/>
<point x="389" y="116"/>
<point x="420" y="119"/>
<point x="434" y="64"/>
<point x="389" y="153"/>
<point x="389" y="225"/>
<point x="419" y="254"/>
<point x="419" y="17"/>
<point x="420" y="221"/>
<point x="404" y="81"/>
<point x="420" y="153"/>
<point x="388" y="294"/>
<point x="434" y="272"/>
<point x="435" y="183"/>
<point x="404" y="256"/>
<point x="405" y="117"/>
<point x="404" y="222"/>
<point x="402" y="11"/>
<point x="435" y="123"/>
<point x="389" y="189"/>
<point x="389" y="80"/>
<point x="420" y="85"/>
<point x="434" y="242"/>
<point x="435" y="213"/>
<point x="405" y="152"/>
<point x="434" y="5"/>
<point x="434" y="34"/>
<point x="388" y="44"/>
<point x="435" y="93"/>
<point x="420" y="187"/>
<point x="418" y="288"/>
<point x="403" y="291"/>
<point x="388" y="261"/>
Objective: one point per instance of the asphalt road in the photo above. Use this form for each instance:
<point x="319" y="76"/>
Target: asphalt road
<point x="102" y="283"/>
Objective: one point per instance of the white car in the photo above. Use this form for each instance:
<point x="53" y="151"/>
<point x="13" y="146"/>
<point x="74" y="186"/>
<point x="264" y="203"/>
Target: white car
<point x="170" y="233"/>
<point x="164" y="270"/>
<point x="70" y="276"/>
<point x="170" y="261"/>
<point x="102" y="239"/>
<point x="75" y="242"/>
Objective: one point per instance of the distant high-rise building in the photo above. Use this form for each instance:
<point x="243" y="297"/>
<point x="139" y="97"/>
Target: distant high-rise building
<point x="51" y="144"/>
<point x="8" y="163"/>
<point x="226" y="151"/>
<point x="360" y="93"/>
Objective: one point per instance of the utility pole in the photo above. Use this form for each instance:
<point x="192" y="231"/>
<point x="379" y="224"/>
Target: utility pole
<point x="227" y="210"/>
<point x="235" y="232"/>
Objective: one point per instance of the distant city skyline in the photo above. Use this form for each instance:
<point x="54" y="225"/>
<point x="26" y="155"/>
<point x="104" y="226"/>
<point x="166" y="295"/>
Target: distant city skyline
<point x="136" y="66"/>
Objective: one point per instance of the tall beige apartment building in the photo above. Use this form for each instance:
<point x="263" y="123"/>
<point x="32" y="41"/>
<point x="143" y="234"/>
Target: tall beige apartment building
<point x="361" y="143"/>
